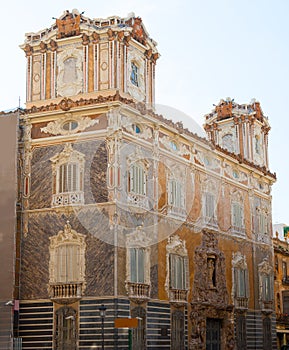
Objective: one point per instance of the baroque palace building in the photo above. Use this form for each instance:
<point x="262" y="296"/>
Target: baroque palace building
<point x="124" y="209"/>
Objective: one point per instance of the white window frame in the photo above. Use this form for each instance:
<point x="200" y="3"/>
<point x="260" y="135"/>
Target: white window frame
<point x="209" y="205"/>
<point x="137" y="259"/>
<point x="68" y="177"/>
<point x="178" y="271"/>
<point x="176" y="193"/>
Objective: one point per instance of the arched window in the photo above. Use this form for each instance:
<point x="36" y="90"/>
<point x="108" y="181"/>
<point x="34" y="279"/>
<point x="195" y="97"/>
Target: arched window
<point x="67" y="170"/>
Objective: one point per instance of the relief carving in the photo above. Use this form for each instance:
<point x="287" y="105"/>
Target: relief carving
<point x="209" y="294"/>
<point x="57" y="127"/>
<point x="69" y="80"/>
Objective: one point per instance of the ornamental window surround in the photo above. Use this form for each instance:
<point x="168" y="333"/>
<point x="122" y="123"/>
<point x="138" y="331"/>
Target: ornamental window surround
<point x="262" y="220"/>
<point x="209" y="203"/>
<point x="177" y="279"/>
<point x="67" y="264"/>
<point x="240" y="280"/>
<point x="67" y="181"/>
<point x="138" y="264"/>
<point x="265" y="272"/>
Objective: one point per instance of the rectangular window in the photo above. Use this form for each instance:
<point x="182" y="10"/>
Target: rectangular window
<point x="137" y="179"/>
<point x="209" y="205"/>
<point x="68" y="178"/>
<point x="285" y="303"/>
<point x="175" y="194"/>
<point x="267" y="288"/>
<point x="241" y="282"/>
<point x="177" y="271"/>
<point x="67" y="263"/>
<point x="263" y="223"/>
<point x="137" y="265"/>
<point x="237" y="215"/>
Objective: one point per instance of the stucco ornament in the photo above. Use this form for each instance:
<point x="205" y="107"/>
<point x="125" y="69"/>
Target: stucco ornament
<point x="136" y="91"/>
<point x="69" y="79"/>
<point x="58" y="127"/>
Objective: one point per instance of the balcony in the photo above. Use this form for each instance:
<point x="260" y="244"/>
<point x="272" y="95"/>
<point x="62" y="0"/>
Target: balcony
<point x="238" y="230"/>
<point x="67" y="198"/>
<point x="178" y="296"/>
<point x="66" y="292"/>
<point x="139" y="200"/>
<point x="209" y="222"/>
<point x="267" y="305"/>
<point x="177" y="212"/>
<point x="138" y="292"/>
<point x="241" y="303"/>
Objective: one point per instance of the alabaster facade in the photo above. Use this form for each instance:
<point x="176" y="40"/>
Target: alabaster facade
<point x="123" y="207"/>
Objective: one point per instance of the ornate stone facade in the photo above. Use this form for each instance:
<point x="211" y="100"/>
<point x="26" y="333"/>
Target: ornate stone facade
<point x="159" y="217"/>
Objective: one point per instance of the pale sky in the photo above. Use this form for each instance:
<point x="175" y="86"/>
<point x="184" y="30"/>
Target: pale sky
<point x="209" y="50"/>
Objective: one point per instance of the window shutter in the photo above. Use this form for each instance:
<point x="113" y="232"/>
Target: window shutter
<point x="141" y="260"/>
<point x="186" y="273"/>
<point x="133" y="265"/>
<point x="74" y="177"/>
<point x="170" y="194"/>
<point x="61" y="186"/>
<point x="241" y="282"/>
<point x="236" y="282"/>
<point x="209" y="205"/>
<point x="172" y="271"/>
<point x="246" y="284"/>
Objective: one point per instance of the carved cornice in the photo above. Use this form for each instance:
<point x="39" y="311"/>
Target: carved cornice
<point x="66" y="104"/>
<point x="243" y="160"/>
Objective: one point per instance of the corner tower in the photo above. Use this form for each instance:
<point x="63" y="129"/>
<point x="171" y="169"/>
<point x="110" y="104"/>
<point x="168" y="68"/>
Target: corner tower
<point x="78" y="57"/>
<point x="240" y="129"/>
